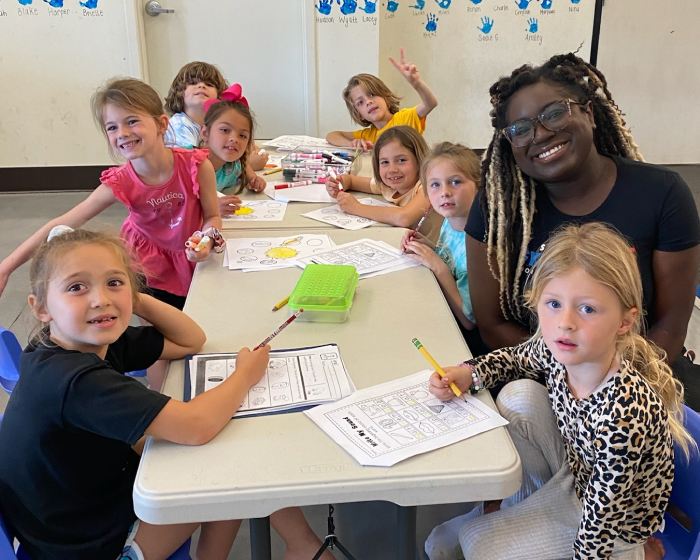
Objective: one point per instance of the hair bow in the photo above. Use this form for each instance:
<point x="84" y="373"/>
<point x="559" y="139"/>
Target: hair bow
<point x="57" y="231"/>
<point x="233" y="94"/>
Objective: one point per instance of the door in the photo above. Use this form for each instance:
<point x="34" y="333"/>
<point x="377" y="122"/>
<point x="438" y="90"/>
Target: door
<point x="267" y="47"/>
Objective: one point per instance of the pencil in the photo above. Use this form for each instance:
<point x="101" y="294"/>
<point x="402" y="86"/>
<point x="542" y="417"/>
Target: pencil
<point x="281" y="304"/>
<point x="281" y="328"/>
<point x="271" y="171"/>
<point x="420" y="223"/>
<point x="433" y="363"/>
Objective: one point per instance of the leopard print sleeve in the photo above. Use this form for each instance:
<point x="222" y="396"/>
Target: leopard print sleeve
<point x="526" y="360"/>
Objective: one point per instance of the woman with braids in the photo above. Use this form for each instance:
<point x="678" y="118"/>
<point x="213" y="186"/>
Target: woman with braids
<point x="561" y="153"/>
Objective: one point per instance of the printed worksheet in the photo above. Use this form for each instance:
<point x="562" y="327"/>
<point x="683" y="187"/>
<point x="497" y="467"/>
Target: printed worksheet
<point x="308" y="193"/>
<point x="336" y="217"/>
<point x="258" y="211"/>
<point x="366" y="255"/>
<point x="262" y="253"/>
<point x="382" y="425"/>
<point x="290" y="142"/>
<point x="294" y="379"/>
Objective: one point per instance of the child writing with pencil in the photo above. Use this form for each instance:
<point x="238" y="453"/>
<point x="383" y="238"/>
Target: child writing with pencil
<point x="396" y="163"/>
<point x="596" y="442"/>
<point x="195" y="84"/>
<point x="228" y="135"/>
<point x="374" y="106"/>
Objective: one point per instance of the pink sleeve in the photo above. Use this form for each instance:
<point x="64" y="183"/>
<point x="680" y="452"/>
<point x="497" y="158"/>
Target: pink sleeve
<point x="112" y="178"/>
<point x="197" y="157"/>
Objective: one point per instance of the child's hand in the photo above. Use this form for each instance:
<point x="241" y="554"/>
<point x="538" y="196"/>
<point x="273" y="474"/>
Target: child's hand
<point x="256" y="184"/>
<point x="348" y="203"/>
<point x="229" y="204"/>
<point x="425" y="255"/>
<point x="251" y="365"/>
<point x="258" y="161"/>
<point x="408" y="69"/>
<point x="459" y="375"/>
<point x="407" y="237"/>
<point x="366" y="145"/>
<point x="335" y="184"/>
<point x="198" y="248"/>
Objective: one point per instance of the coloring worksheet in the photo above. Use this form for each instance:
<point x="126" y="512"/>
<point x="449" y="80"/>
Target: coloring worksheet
<point x="290" y="142"/>
<point x="335" y="216"/>
<point x="258" y="211"/>
<point x="294" y="379"/>
<point x="308" y="193"/>
<point x="382" y="425"/>
<point x="366" y="255"/>
<point x="262" y="253"/>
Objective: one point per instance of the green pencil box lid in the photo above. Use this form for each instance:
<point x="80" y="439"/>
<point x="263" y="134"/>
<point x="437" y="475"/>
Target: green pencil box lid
<point x="325" y="287"/>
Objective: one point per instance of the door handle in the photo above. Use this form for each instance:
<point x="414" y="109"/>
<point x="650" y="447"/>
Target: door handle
<point x="153" y="8"/>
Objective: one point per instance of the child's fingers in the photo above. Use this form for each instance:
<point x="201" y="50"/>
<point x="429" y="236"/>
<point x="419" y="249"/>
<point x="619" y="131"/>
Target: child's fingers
<point x="367" y="145"/>
<point x="403" y="56"/>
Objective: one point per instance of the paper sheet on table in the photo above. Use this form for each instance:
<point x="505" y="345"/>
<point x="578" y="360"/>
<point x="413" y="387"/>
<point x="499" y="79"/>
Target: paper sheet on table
<point x="295" y="379"/>
<point x="334" y="216"/>
<point x="366" y="255"/>
<point x="382" y="425"/>
<point x="273" y="161"/>
<point x="258" y="211"/>
<point x="289" y="142"/>
<point x="308" y="193"/>
<point x="265" y="253"/>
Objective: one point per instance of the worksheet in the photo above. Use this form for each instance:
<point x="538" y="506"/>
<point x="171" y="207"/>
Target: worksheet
<point x="263" y="253"/>
<point x="315" y="192"/>
<point x="258" y="211"/>
<point x="366" y="255"/>
<point x="294" y="379"/>
<point x="290" y="142"/>
<point x="382" y="425"/>
<point x="336" y="217"/>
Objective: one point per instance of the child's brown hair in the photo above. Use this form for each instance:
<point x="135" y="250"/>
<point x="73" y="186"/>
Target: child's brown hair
<point x="462" y="158"/>
<point x="193" y="73"/>
<point x="408" y="137"/>
<point x="371" y="86"/>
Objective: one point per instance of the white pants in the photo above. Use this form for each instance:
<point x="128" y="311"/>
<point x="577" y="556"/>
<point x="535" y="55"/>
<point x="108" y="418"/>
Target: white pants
<point x="541" y="520"/>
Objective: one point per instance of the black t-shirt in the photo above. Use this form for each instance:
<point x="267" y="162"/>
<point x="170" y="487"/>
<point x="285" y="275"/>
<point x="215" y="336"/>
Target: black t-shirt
<point x="67" y="469"/>
<point x="650" y="205"/>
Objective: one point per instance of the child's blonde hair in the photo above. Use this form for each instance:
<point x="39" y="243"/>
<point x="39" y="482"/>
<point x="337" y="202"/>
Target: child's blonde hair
<point x="604" y="255"/>
<point x="460" y="156"/>
<point x="49" y="254"/>
<point x="125" y="93"/>
<point x="213" y="114"/>
<point x="193" y="73"/>
<point x="371" y="86"/>
<point x="408" y="137"/>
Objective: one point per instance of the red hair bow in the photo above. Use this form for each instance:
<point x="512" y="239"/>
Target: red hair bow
<point x="233" y="94"/>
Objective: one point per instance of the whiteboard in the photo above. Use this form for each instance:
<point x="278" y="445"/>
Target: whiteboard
<point x="463" y="47"/>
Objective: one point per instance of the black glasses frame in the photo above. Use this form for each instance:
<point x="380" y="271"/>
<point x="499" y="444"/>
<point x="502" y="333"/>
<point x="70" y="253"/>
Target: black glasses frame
<point x="540" y="119"/>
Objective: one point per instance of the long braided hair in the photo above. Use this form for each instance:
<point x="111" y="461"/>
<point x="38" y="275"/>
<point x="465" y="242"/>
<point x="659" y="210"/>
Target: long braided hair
<point x="508" y="203"/>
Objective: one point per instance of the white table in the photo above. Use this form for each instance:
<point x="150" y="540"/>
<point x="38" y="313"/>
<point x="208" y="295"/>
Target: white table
<point x="256" y="466"/>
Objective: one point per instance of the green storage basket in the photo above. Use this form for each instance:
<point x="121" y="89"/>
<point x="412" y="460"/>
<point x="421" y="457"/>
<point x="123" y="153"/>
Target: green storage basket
<point x="325" y="292"/>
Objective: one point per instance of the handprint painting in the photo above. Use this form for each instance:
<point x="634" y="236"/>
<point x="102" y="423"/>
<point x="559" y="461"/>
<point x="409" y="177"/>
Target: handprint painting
<point x="370" y="7"/>
<point x="324" y="6"/>
<point x="431" y="26"/>
<point x="532" y="25"/>
<point x="347" y="7"/>
<point x="486" y="25"/>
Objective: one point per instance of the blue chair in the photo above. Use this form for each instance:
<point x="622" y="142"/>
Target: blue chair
<point x="10" y="351"/>
<point x="679" y="542"/>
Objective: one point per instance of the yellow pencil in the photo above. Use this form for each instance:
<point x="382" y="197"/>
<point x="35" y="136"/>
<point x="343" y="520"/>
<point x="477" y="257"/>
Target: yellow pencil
<point x="281" y="304"/>
<point x="271" y="171"/>
<point x="433" y="363"/>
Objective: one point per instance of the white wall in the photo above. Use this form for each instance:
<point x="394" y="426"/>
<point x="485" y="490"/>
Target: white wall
<point x="649" y="53"/>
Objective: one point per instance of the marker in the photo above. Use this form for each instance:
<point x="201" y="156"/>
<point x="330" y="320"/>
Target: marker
<point x="281" y="304"/>
<point x="271" y="171"/>
<point x="297" y="155"/>
<point x="336" y="158"/>
<point x="335" y="177"/>
<point x="282" y="327"/>
<point x="261" y="152"/>
<point x="290" y="185"/>
<point x="433" y="363"/>
<point x="198" y="246"/>
<point x="420" y="223"/>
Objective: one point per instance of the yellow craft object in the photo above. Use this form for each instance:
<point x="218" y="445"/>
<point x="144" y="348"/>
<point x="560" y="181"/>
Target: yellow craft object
<point x="281" y="253"/>
<point x="243" y="210"/>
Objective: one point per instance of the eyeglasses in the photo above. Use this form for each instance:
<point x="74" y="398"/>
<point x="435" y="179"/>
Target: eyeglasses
<point x="554" y="117"/>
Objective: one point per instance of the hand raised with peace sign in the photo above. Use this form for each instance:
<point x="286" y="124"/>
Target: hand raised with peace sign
<point x="408" y="69"/>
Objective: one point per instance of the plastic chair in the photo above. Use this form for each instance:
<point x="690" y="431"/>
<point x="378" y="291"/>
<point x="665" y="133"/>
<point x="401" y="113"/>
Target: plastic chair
<point x="10" y="351"/>
<point x="681" y="544"/>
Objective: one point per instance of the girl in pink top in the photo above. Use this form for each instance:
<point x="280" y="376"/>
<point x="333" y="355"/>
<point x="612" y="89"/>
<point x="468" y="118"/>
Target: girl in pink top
<point x="170" y="194"/>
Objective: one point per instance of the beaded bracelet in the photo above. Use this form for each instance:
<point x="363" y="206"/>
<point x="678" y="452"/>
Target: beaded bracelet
<point x="476" y="385"/>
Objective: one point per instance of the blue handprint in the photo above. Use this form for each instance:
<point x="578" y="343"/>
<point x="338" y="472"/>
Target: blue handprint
<point x="432" y="23"/>
<point x="420" y="4"/>
<point x="25" y="2"/>
<point x="324" y="6"/>
<point x="370" y="7"/>
<point x="522" y="4"/>
<point x="89" y="4"/>
<point x="487" y="24"/>
<point x="532" y="22"/>
<point x="444" y="4"/>
<point x="348" y="7"/>
<point x="392" y="6"/>
<point x="546" y="4"/>
<point x="475" y="1"/>
<point x="575" y="1"/>
<point x="55" y="3"/>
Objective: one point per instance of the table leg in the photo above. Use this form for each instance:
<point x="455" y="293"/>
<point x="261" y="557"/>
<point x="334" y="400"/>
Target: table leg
<point x="260" y="548"/>
<point x="407" y="533"/>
